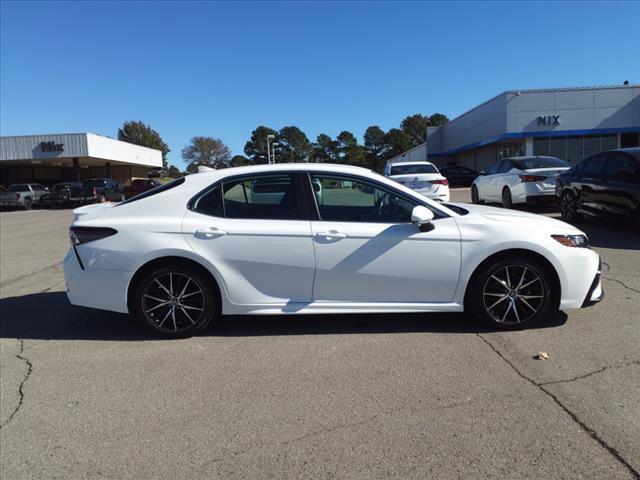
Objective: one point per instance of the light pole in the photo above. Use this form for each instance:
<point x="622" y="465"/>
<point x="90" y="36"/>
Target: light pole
<point x="273" y="150"/>
<point x="269" y="140"/>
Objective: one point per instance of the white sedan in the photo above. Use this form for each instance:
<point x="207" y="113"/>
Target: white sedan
<point x="423" y="177"/>
<point x="519" y="180"/>
<point x="319" y="238"/>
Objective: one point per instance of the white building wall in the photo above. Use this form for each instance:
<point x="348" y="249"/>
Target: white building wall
<point x="117" y="151"/>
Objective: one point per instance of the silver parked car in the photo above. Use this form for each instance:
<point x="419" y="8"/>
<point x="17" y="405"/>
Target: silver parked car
<point x="23" y="195"/>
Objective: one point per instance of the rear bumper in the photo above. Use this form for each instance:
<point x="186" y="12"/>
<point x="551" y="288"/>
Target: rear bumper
<point x="13" y="203"/>
<point x="93" y="287"/>
<point x="440" y="195"/>
<point x="545" y="199"/>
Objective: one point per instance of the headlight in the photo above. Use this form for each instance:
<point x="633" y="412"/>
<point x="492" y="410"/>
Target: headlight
<point x="580" y="241"/>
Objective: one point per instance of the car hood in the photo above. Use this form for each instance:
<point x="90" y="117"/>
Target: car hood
<point x="484" y="214"/>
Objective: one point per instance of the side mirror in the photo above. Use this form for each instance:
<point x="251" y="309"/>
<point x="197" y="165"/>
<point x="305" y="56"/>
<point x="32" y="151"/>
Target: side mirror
<point x="421" y="217"/>
<point x="482" y="172"/>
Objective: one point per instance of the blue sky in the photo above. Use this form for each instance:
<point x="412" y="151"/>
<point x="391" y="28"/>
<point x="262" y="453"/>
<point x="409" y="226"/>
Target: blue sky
<point x="221" y="69"/>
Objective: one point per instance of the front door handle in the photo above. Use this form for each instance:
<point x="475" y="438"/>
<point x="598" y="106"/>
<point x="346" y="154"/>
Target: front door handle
<point x="331" y="235"/>
<point x="209" y="232"/>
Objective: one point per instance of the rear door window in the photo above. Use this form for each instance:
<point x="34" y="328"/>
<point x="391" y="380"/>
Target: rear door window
<point x="620" y="161"/>
<point x="506" y="166"/>
<point x="494" y="168"/>
<point x="261" y="197"/>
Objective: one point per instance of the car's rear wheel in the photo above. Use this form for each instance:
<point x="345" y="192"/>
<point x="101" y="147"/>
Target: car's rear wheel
<point x="101" y="199"/>
<point x="511" y="293"/>
<point x="175" y="302"/>
<point x="569" y="207"/>
<point x="507" y="201"/>
<point x="475" y="198"/>
<point x="26" y="204"/>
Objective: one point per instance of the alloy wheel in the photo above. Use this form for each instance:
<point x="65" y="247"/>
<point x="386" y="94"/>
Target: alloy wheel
<point x="568" y="206"/>
<point x="173" y="302"/>
<point x="513" y="294"/>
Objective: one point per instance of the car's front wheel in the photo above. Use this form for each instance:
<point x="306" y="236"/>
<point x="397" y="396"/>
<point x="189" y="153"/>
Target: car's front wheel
<point x="569" y="207"/>
<point x="475" y="198"/>
<point x="511" y="293"/>
<point x="176" y="302"/>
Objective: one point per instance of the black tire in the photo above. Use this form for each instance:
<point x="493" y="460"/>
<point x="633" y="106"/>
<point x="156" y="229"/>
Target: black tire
<point x="493" y="302"/>
<point x="507" y="201"/>
<point x="26" y="204"/>
<point x="181" y="318"/>
<point x="569" y="207"/>
<point x="101" y="199"/>
<point x="475" y="198"/>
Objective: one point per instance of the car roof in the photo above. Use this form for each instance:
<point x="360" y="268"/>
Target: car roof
<point x="415" y="162"/>
<point x="635" y="151"/>
<point x="526" y="157"/>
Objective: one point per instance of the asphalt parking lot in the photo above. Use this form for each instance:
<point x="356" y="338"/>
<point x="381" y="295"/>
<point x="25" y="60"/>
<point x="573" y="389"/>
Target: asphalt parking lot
<point x="89" y="394"/>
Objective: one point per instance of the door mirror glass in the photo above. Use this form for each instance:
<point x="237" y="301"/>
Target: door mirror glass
<point x="422" y="217"/>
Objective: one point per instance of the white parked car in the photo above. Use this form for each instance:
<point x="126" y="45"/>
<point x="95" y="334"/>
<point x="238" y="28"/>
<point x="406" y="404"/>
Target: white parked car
<point x="319" y="238"/>
<point x="519" y="180"/>
<point x="423" y="177"/>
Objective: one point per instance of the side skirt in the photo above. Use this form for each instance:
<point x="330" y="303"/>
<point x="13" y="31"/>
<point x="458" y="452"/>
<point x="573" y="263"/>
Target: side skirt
<point x="338" y="307"/>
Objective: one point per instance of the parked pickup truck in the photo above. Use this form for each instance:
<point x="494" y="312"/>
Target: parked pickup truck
<point x="139" y="185"/>
<point x="22" y="195"/>
<point x="95" y="190"/>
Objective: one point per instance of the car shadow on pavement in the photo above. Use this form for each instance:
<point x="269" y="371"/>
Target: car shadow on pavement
<point x="49" y="316"/>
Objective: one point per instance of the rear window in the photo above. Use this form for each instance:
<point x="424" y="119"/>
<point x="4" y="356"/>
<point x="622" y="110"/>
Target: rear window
<point x="18" y="188"/>
<point x="94" y="182"/>
<point x="154" y="191"/>
<point x="58" y="187"/>
<point x="541" y="162"/>
<point x="413" y="169"/>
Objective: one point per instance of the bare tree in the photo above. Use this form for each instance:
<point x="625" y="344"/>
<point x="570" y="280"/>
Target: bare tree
<point x="206" y="151"/>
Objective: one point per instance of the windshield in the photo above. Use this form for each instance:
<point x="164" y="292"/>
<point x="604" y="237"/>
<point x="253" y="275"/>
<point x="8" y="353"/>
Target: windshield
<point x="413" y="169"/>
<point x="541" y="162"/>
<point x="18" y="188"/>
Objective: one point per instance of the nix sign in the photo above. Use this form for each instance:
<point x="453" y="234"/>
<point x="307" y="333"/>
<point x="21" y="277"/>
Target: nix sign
<point x="51" y="147"/>
<point x="549" y="121"/>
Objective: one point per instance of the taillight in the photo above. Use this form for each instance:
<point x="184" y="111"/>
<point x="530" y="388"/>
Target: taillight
<point x="17" y="196"/>
<point x="442" y="181"/>
<point x="81" y="235"/>
<point x="531" y="178"/>
<point x="95" y="191"/>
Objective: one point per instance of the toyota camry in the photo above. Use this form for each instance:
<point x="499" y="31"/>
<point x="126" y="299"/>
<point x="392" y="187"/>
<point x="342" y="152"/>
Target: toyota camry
<point x="319" y="238"/>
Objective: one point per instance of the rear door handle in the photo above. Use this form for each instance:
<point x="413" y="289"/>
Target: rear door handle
<point x="331" y="235"/>
<point x="209" y="232"/>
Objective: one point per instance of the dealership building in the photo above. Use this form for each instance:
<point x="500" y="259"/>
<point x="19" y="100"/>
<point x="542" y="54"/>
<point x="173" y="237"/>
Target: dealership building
<point x="49" y="159"/>
<point x="568" y="123"/>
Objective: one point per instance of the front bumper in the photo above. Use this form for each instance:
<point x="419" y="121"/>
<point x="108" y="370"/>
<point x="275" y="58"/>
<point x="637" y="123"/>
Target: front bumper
<point x="596" y="292"/>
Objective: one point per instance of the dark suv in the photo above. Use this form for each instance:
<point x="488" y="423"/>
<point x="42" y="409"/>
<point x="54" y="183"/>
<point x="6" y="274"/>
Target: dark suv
<point x="605" y="184"/>
<point x="94" y="190"/>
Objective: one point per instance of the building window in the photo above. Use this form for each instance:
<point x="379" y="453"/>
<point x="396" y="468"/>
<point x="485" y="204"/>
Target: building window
<point x="591" y="145"/>
<point x="558" y="147"/>
<point x="541" y="146"/>
<point x="608" y="142"/>
<point x="574" y="150"/>
<point x="510" y="149"/>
